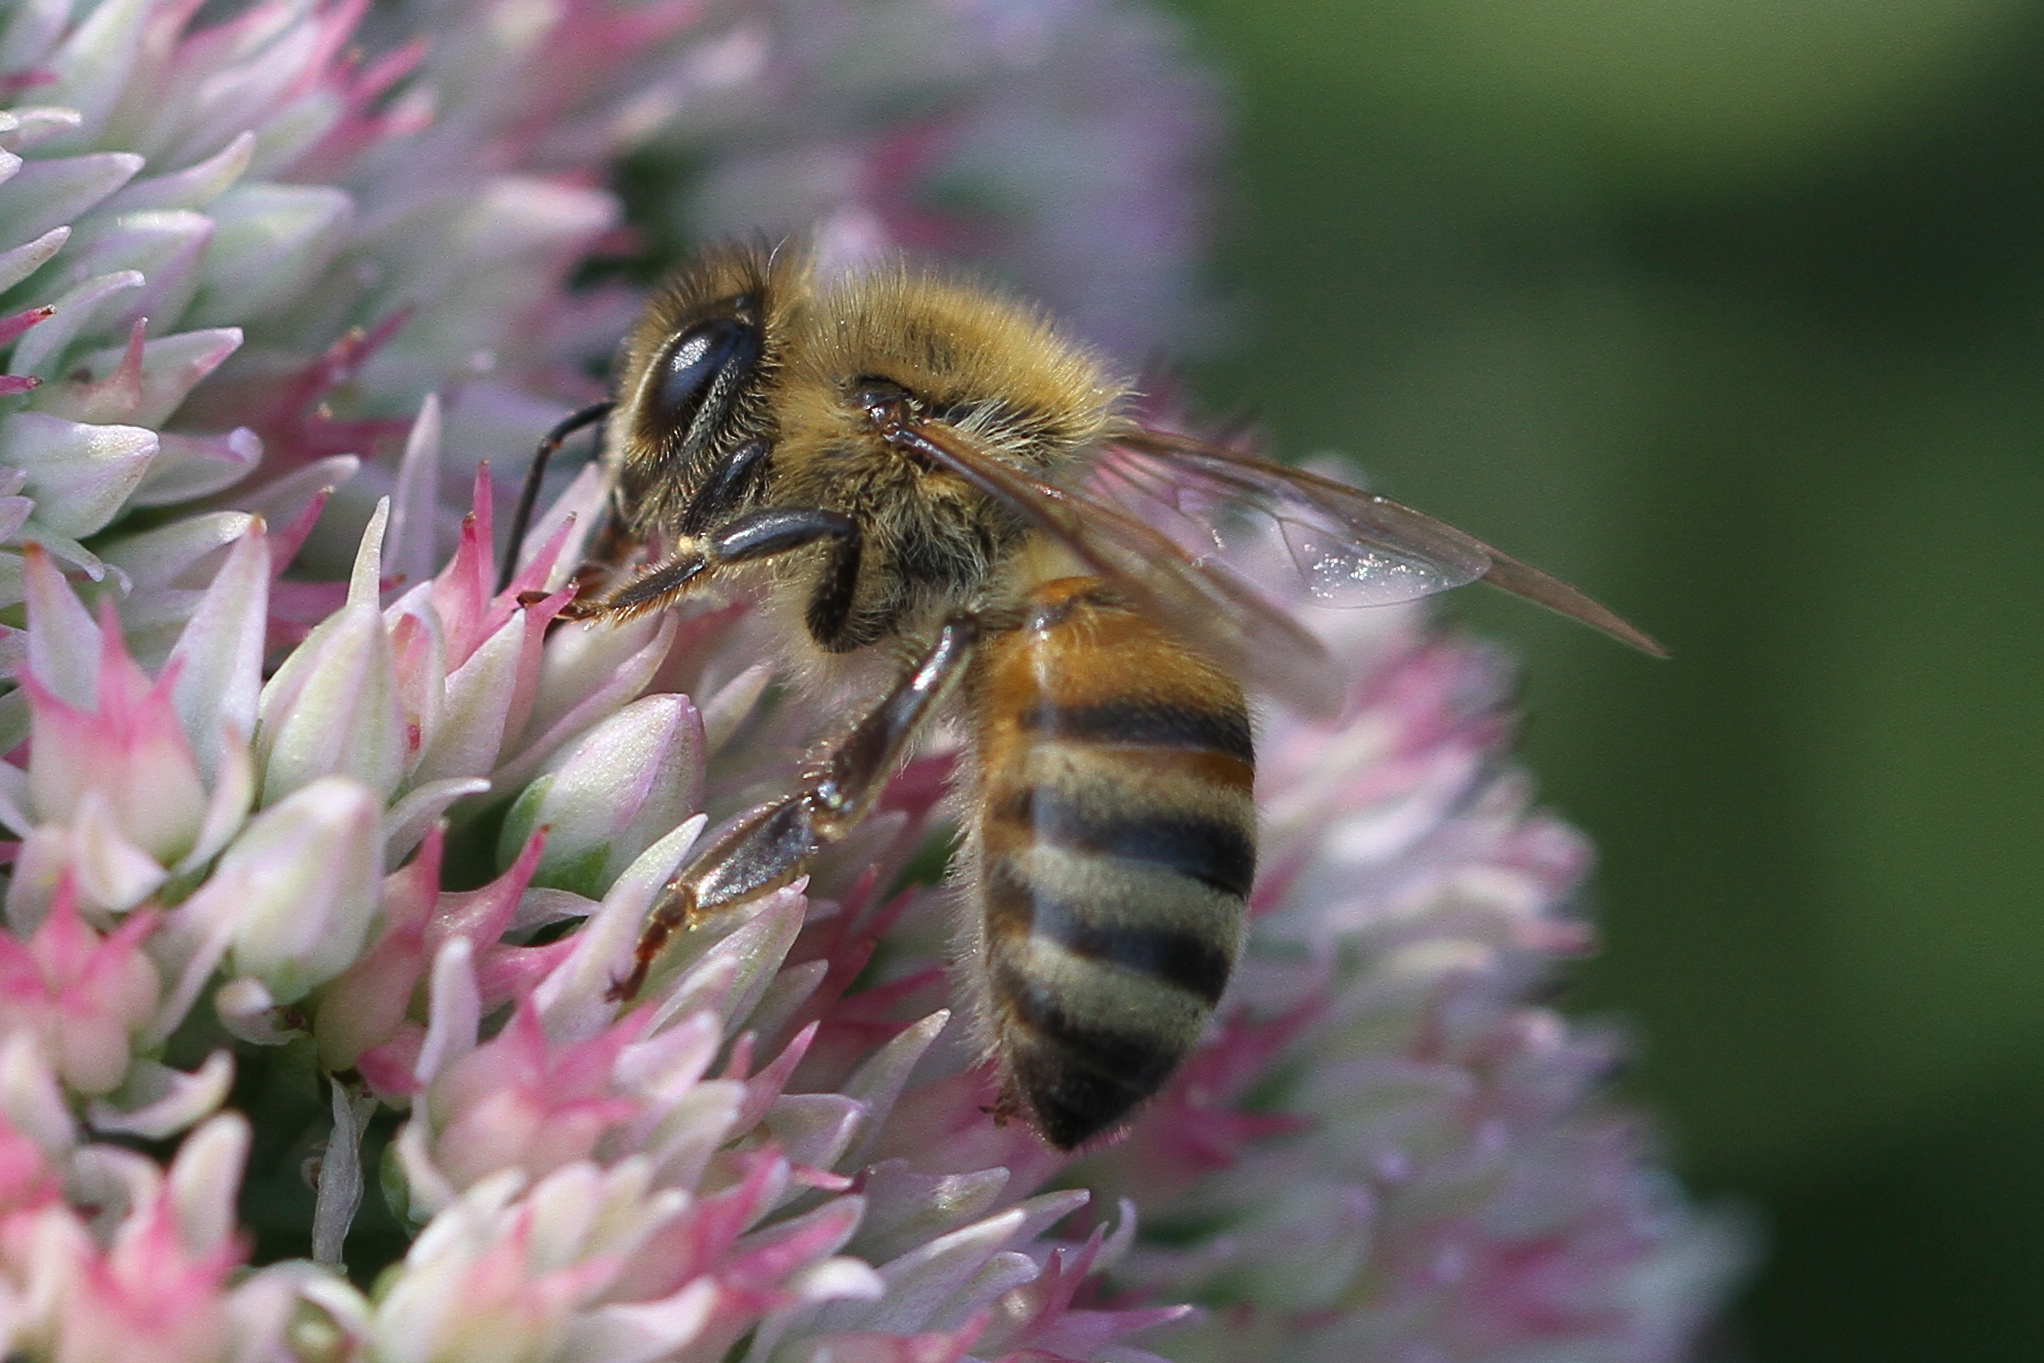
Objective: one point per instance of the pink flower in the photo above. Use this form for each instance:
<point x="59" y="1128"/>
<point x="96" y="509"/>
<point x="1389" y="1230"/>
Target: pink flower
<point x="151" y="1280"/>
<point x="291" y="901"/>
<point x="148" y="1296"/>
<point x="516" y="1103"/>
<point x="81" y="994"/>
<point x="371" y="1015"/>
<point x="128" y="751"/>
<point x="120" y="767"/>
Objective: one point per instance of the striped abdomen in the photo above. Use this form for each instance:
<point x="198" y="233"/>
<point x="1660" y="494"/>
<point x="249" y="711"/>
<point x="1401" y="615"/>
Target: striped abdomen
<point x="1115" y="843"/>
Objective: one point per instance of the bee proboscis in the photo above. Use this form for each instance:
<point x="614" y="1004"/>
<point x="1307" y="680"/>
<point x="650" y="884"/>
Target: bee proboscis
<point x="906" y="468"/>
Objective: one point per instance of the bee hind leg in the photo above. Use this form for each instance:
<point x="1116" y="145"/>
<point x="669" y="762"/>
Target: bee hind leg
<point x="773" y="845"/>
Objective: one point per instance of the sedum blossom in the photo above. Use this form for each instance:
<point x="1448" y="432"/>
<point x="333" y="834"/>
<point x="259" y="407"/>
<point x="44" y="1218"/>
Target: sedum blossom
<point x="322" y="854"/>
<point x="81" y="995"/>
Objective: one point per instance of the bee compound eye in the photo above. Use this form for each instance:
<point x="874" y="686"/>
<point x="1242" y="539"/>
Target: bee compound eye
<point x="704" y="362"/>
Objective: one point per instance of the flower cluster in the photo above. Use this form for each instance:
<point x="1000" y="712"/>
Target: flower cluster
<point x="1428" y="1172"/>
<point x="323" y="854"/>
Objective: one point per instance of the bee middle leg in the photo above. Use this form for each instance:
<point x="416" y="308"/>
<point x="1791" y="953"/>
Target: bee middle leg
<point x="772" y="845"/>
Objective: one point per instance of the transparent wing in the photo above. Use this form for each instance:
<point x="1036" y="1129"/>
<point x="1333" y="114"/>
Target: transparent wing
<point x="1349" y="547"/>
<point x="1200" y="598"/>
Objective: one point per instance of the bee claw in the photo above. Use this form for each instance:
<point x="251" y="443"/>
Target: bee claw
<point x="1005" y="1108"/>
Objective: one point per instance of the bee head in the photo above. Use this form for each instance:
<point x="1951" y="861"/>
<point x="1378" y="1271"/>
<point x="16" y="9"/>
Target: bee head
<point x="698" y="373"/>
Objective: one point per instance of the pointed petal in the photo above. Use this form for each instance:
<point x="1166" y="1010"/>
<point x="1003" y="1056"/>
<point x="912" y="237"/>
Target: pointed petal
<point x="573" y="1000"/>
<point x="880" y="1080"/>
<point x="414" y="815"/>
<point x="80" y="475"/>
<point x="410" y="550"/>
<point x="80" y="309"/>
<point x="205" y="1177"/>
<point x="270" y="242"/>
<point x="95" y="387"/>
<point x="471" y="728"/>
<point x="585" y="675"/>
<point x="63" y="638"/>
<point x="301" y="886"/>
<point x="234" y="778"/>
<point x="219" y="656"/>
<point x="19" y="262"/>
<point x="194" y="186"/>
<point x="331" y="709"/>
<point x="157" y="1101"/>
<point x="49" y="193"/>
<point x="193" y="466"/>
<point x="93" y="64"/>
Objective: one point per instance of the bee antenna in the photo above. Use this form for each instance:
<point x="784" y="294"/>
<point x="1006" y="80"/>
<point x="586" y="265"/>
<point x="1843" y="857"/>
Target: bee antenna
<point x="528" y="496"/>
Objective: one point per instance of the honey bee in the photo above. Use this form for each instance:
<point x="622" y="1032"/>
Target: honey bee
<point x="920" y="472"/>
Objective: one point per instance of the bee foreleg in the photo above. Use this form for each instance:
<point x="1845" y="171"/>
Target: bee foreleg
<point x="650" y="590"/>
<point x="778" y="530"/>
<point x="743" y="539"/>
<point x="726" y="487"/>
<point x="774" y="844"/>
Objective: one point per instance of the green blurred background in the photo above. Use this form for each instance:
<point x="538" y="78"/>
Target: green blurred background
<point x="1732" y="313"/>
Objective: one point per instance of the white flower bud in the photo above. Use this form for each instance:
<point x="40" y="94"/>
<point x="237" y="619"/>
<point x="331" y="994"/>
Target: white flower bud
<point x="625" y="785"/>
<point x="332" y="709"/>
<point x="301" y="886"/>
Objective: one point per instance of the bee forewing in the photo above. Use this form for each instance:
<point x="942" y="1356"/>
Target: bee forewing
<point x="1340" y="572"/>
<point x="1523" y="579"/>
<point x="1207" y="603"/>
<point x="1349" y="547"/>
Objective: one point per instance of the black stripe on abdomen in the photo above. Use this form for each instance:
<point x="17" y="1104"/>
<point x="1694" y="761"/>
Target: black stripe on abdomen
<point x="1216" y="852"/>
<point x="1188" y="960"/>
<point x="1146" y="724"/>
<point x="1134" y="1062"/>
<point x="1072" y="1103"/>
